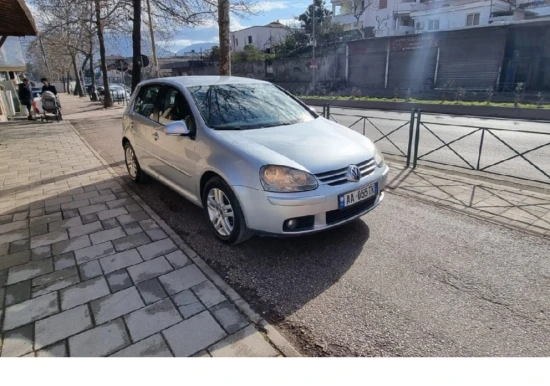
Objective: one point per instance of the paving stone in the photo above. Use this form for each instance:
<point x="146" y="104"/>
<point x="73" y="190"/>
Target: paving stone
<point x="191" y="309"/>
<point x="90" y="218"/>
<point x="202" y="354"/>
<point x="119" y="193"/>
<point x="132" y="228"/>
<point x="132" y="217"/>
<point x="247" y="342"/>
<point x="90" y="270"/>
<point x="100" y="341"/>
<point x="193" y="335"/>
<point x="133" y="208"/>
<point x="64" y="224"/>
<point x="185" y="298"/>
<point x="149" y="269"/>
<point x="152" y="319"/>
<point x="182" y="279"/>
<point x="55" y="286"/>
<point x="41" y="252"/>
<point x="70" y="213"/>
<point x="75" y="205"/>
<point x="71" y="245"/>
<point x="85" y="229"/>
<point x="111" y="213"/>
<point x="154" y="346"/>
<point x="57" y="350"/>
<point x="30" y="311"/>
<point x="19" y="245"/>
<point x="119" y="280"/>
<point x="102" y="198"/>
<point x="17" y="342"/>
<point x="54" y="276"/>
<point x="87" y="195"/>
<point x="208" y="294"/>
<point x="120" y="202"/>
<point x="58" y="200"/>
<point x="148" y="224"/>
<point x="228" y="316"/>
<point x="48" y="218"/>
<point x="9" y="218"/>
<point x="120" y="260"/>
<point x="49" y="238"/>
<point x="132" y="241"/>
<point x="18" y="293"/>
<point x="20" y="216"/>
<point x="4" y="248"/>
<point x="64" y="260"/>
<point x="113" y="306"/>
<point x="157" y="248"/>
<point x="92" y="209"/>
<point x="61" y="326"/>
<point x="37" y="212"/>
<point x="156" y="234"/>
<point x="104" y="192"/>
<point x="94" y="252"/>
<point x="13" y="226"/>
<point x="3" y="278"/>
<point x="37" y="230"/>
<point x="29" y="270"/>
<point x="107" y="235"/>
<point x="151" y="291"/>
<point x="14" y="259"/>
<point x="83" y="293"/>
<point x="109" y="223"/>
<point x="52" y="209"/>
<point x="14" y="236"/>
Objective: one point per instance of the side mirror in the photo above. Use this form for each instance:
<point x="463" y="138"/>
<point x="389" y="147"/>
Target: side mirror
<point x="177" y="128"/>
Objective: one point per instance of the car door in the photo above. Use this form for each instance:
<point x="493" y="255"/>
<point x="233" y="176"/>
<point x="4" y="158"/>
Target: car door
<point x="177" y="152"/>
<point x="144" y="119"/>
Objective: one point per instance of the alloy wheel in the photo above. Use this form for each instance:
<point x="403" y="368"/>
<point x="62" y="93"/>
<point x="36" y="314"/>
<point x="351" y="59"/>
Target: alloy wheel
<point x="220" y="212"/>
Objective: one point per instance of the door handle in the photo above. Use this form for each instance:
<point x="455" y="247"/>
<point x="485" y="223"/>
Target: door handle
<point x="156" y="136"/>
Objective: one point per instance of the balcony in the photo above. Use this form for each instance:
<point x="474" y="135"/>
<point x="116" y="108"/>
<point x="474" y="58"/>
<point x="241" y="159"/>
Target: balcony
<point x="344" y="19"/>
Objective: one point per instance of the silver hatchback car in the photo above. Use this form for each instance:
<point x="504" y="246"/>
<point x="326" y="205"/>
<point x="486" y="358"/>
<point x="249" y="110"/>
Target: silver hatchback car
<point x="256" y="159"/>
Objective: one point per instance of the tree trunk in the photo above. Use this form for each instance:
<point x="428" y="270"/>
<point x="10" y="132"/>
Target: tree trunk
<point x="223" y="24"/>
<point x="107" y="101"/>
<point x="136" y="45"/>
<point x="78" y="87"/>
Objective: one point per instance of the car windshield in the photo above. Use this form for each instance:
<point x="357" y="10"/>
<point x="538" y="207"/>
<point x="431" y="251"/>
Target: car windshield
<point x="247" y="106"/>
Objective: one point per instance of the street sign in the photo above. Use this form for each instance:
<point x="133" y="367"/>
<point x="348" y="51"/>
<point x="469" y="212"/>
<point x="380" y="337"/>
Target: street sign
<point x="314" y="62"/>
<point x="144" y="60"/>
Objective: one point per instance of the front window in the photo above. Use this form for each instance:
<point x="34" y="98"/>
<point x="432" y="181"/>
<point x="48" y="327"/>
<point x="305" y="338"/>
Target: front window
<point x="247" y="106"/>
<point x="472" y="19"/>
<point x="250" y="40"/>
<point x="433" y="25"/>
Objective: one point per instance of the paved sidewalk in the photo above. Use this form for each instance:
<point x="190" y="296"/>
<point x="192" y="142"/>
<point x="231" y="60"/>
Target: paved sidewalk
<point x="88" y="269"/>
<point x="524" y="209"/>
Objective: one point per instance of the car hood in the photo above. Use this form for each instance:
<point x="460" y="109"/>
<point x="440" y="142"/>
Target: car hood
<point x="316" y="146"/>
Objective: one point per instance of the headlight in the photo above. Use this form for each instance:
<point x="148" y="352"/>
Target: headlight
<point x="378" y="157"/>
<point x="284" y="179"/>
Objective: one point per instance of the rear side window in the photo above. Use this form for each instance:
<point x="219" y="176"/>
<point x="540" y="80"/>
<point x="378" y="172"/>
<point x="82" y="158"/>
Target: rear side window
<point x="146" y="102"/>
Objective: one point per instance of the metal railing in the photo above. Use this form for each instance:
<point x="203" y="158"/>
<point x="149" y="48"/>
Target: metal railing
<point x="477" y="148"/>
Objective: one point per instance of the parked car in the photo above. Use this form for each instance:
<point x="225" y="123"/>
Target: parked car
<point x="256" y="159"/>
<point x="36" y="91"/>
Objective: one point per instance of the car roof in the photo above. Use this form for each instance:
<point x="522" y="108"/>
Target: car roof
<point x="190" y="81"/>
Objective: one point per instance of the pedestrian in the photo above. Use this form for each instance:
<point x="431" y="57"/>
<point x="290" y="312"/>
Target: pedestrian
<point x="25" y="96"/>
<point x="48" y="86"/>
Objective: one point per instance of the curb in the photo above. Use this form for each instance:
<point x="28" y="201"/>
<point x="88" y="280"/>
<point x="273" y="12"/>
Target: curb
<point x="275" y="338"/>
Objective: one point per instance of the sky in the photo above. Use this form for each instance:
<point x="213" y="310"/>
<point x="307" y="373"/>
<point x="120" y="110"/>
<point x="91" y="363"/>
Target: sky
<point x="284" y="11"/>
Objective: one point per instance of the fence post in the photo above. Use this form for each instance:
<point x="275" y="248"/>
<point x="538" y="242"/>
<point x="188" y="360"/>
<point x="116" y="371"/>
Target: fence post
<point x="480" y="148"/>
<point x="328" y="111"/>
<point x="417" y="137"/>
<point x="411" y="132"/>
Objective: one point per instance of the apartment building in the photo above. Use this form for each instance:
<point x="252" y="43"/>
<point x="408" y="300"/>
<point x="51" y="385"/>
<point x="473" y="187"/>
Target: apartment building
<point x="262" y="37"/>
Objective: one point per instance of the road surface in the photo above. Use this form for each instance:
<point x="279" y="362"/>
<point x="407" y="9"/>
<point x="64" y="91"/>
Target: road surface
<point x="409" y="279"/>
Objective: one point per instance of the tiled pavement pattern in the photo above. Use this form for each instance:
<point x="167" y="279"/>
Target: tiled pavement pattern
<point x="520" y="208"/>
<point x="85" y="269"/>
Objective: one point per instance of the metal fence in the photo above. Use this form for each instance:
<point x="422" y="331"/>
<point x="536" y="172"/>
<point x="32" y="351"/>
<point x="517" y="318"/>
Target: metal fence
<point x="522" y="154"/>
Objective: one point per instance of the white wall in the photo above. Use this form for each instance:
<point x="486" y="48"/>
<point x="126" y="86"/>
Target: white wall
<point x="262" y="37"/>
<point x="454" y="17"/>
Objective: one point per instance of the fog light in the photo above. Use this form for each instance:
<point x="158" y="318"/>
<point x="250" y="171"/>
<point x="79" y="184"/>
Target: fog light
<point x="291" y="224"/>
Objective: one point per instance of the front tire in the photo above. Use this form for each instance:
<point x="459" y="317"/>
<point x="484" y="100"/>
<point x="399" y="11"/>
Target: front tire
<point x="132" y="165"/>
<point x="223" y="212"/>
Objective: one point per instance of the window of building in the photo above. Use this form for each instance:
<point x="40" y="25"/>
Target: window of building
<point x="236" y="42"/>
<point x="419" y="25"/>
<point x="383" y="4"/>
<point x="472" y="19"/>
<point x="250" y="40"/>
<point x="433" y="25"/>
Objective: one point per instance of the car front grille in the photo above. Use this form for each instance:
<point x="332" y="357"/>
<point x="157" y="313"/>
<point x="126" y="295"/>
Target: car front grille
<point x="338" y="215"/>
<point x="338" y="177"/>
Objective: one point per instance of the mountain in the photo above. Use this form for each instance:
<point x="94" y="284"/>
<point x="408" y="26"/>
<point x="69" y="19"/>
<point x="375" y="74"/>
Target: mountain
<point x="162" y="53"/>
<point x="197" y="47"/>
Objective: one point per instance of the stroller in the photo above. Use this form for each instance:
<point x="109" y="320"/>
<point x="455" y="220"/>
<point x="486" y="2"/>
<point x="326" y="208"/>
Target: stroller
<point x="50" y="105"/>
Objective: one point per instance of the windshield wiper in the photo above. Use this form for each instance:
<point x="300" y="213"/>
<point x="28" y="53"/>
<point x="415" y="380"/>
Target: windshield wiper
<point x="228" y="128"/>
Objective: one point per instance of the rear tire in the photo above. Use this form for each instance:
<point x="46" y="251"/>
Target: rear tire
<point x="132" y="165"/>
<point x="223" y="212"/>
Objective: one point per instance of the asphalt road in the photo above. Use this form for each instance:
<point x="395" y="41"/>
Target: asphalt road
<point x="520" y="135"/>
<point x="408" y="279"/>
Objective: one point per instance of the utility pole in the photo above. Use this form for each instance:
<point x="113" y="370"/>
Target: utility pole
<point x="313" y="60"/>
<point x="223" y="25"/>
<point x="136" y="44"/>
<point x="153" y="48"/>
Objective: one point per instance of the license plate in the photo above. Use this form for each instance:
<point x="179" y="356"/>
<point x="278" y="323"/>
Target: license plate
<point x="351" y="198"/>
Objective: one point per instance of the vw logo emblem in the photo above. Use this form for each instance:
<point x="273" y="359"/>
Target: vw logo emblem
<point x="353" y="173"/>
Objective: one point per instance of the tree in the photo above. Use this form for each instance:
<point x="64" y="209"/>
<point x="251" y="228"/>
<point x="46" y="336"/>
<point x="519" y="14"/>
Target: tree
<point x="136" y="44"/>
<point x="357" y="8"/>
<point x="321" y="15"/>
<point x="223" y="26"/>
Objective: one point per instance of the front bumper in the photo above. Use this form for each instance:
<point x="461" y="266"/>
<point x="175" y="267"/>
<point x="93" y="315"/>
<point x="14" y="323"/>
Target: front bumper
<point x="266" y="212"/>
